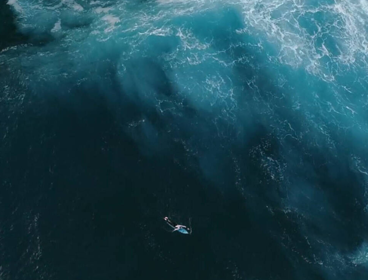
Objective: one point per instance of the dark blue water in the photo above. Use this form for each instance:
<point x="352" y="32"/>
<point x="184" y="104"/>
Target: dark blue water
<point x="249" y="117"/>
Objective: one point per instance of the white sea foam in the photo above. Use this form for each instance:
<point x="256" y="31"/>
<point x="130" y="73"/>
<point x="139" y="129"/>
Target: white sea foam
<point x="57" y="26"/>
<point x="16" y="6"/>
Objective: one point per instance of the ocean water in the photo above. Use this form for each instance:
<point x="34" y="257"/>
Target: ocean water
<point x="248" y="117"/>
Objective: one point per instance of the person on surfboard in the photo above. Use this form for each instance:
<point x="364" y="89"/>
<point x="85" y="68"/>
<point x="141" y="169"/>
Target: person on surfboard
<point x="180" y="228"/>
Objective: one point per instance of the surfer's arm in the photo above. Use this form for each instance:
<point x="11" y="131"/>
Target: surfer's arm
<point x="170" y="223"/>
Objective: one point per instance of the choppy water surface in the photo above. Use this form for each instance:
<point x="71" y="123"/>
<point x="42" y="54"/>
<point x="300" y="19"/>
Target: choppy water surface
<point x="248" y="116"/>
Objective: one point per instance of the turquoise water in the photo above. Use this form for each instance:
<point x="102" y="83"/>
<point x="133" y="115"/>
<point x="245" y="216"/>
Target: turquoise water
<point x="258" y="103"/>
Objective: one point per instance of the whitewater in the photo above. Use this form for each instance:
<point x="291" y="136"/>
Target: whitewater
<point x="265" y="101"/>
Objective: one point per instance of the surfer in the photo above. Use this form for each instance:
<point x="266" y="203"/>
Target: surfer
<point x="180" y="228"/>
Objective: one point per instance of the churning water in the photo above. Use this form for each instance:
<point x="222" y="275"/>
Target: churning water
<point x="248" y="116"/>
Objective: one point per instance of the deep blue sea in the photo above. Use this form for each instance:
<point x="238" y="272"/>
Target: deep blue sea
<point x="247" y="117"/>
